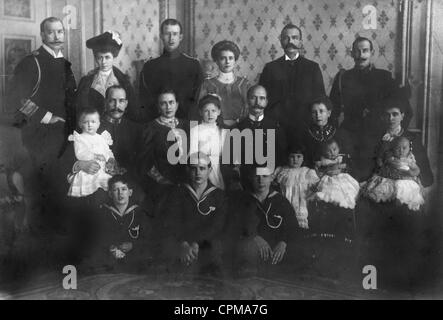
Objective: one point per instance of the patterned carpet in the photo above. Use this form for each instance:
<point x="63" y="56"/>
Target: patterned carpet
<point x="186" y="287"/>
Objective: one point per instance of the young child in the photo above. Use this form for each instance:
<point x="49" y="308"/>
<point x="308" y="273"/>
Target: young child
<point x="295" y="183"/>
<point x="89" y="145"/>
<point x="209" y="138"/>
<point x="122" y="227"/>
<point x="335" y="186"/>
<point x="397" y="178"/>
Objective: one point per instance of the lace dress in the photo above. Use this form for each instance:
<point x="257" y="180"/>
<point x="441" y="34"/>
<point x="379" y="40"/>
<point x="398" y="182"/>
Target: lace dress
<point x="86" y="146"/>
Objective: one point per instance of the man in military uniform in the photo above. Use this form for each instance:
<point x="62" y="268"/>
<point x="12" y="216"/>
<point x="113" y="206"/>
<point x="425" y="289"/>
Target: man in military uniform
<point x="357" y="96"/>
<point x="292" y="81"/>
<point x="173" y="69"/>
<point x="356" y="93"/>
<point x="43" y="89"/>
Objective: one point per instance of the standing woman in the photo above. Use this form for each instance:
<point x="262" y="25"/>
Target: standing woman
<point x="230" y="87"/>
<point x="92" y="88"/>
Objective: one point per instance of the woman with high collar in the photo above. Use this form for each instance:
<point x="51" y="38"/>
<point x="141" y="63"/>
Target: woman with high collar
<point x="395" y="233"/>
<point x="321" y="129"/>
<point x="92" y="87"/>
<point x="230" y="87"/>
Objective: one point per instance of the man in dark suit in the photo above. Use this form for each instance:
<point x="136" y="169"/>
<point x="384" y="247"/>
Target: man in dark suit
<point x="256" y="119"/>
<point x="292" y="81"/>
<point x="126" y="135"/>
<point x="173" y="69"/>
<point x="43" y="91"/>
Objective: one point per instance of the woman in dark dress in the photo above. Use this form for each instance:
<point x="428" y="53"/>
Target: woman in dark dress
<point x="157" y="172"/>
<point x="322" y="129"/>
<point x="330" y="239"/>
<point x="92" y="87"/>
<point x="394" y="232"/>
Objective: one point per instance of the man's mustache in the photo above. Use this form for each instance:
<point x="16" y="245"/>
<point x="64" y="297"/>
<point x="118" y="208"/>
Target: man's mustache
<point x="292" y="46"/>
<point x="117" y="110"/>
<point x="256" y="106"/>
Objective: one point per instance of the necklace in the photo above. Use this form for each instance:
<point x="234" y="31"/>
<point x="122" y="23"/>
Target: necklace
<point x="322" y="134"/>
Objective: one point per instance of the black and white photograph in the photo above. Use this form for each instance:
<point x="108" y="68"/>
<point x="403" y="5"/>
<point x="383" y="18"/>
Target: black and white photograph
<point x="190" y="150"/>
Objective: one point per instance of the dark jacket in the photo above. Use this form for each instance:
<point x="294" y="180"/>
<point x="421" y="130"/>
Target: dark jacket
<point x="175" y="71"/>
<point x="291" y="88"/>
<point x="187" y="218"/>
<point x="281" y="145"/>
<point x="363" y="89"/>
<point x="274" y="219"/>
<point x="54" y="93"/>
<point x="88" y="97"/>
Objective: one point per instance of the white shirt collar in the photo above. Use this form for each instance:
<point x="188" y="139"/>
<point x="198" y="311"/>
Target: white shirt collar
<point x="296" y="57"/>
<point x="52" y="52"/>
<point x="253" y="118"/>
<point x="226" y="77"/>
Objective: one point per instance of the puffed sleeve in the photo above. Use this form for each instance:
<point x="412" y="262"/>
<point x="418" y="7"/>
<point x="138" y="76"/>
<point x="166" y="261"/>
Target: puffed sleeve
<point x="107" y="136"/>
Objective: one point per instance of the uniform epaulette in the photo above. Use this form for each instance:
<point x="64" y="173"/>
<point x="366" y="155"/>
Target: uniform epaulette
<point x="188" y="56"/>
<point x="35" y="53"/>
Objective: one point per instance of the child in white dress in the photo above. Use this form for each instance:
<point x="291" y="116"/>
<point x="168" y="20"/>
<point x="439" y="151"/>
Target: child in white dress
<point x="397" y="178"/>
<point x="209" y="138"/>
<point x="296" y="183"/>
<point x="89" y="145"/>
<point x="335" y="186"/>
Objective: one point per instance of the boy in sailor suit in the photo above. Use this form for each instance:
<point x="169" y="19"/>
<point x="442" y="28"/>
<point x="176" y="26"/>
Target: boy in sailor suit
<point x="263" y="225"/>
<point x="123" y="229"/>
<point x="194" y="219"/>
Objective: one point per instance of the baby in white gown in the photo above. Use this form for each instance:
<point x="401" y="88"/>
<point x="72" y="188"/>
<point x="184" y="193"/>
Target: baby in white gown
<point x="335" y="186"/>
<point x="89" y="145"/>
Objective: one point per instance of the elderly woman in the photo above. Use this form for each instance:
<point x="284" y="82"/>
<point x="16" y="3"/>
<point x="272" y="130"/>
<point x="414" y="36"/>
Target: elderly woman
<point x="392" y="228"/>
<point x="321" y="129"/>
<point x="92" y="87"/>
<point x="331" y="211"/>
<point x="230" y="87"/>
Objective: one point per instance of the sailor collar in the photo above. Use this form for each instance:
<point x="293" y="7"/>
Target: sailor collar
<point x="116" y="214"/>
<point x="267" y="211"/>
<point x="203" y="197"/>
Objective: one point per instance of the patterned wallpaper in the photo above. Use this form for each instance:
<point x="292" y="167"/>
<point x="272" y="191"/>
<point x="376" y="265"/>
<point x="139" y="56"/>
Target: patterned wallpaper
<point x="137" y="21"/>
<point x="329" y="27"/>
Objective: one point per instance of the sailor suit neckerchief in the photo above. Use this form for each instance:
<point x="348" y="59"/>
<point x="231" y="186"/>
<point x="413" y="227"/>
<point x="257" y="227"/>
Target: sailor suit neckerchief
<point x="203" y="197"/>
<point x="133" y="231"/>
<point x="267" y="211"/>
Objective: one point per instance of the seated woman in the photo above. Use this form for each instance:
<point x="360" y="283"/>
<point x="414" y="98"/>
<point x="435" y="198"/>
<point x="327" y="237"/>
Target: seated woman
<point x="321" y="129"/>
<point x="92" y="87"/>
<point x="388" y="218"/>
<point x="122" y="229"/>
<point x="397" y="177"/>
<point x="263" y="225"/>
<point x="193" y="220"/>
<point x="231" y="88"/>
<point x="157" y="171"/>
